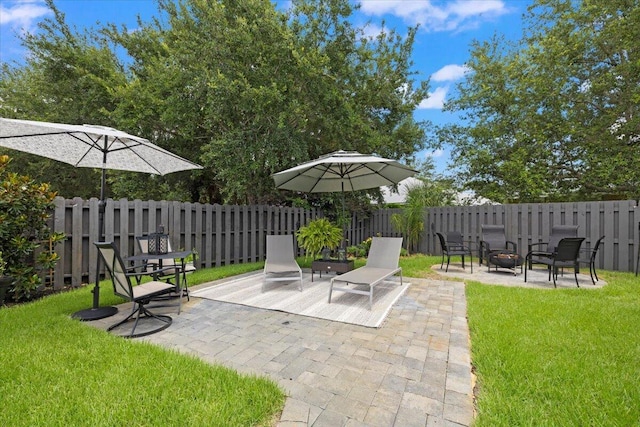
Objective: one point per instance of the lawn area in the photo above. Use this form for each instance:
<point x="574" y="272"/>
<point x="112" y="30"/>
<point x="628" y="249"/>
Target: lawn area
<point x="56" y="371"/>
<point x="557" y="357"/>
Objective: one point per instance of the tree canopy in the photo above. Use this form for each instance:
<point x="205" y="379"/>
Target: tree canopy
<point x="238" y="86"/>
<point x="556" y="115"/>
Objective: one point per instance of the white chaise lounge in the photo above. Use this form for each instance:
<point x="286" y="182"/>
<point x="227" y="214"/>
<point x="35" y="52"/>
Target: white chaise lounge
<point x="382" y="263"/>
<point x="280" y="263"/>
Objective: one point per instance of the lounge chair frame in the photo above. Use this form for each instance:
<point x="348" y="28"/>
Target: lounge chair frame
<point x="382" y="263"/>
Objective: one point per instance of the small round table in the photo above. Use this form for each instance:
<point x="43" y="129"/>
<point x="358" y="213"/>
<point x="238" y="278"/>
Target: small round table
<point x="505" y="259"/>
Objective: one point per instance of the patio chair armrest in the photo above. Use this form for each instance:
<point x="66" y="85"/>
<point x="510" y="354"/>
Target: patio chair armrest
<point x="531" y="245"/>
<point x="514" y="245"/>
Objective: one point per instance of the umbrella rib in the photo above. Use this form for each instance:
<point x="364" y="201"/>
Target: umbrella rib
<point x="324" y="170"/>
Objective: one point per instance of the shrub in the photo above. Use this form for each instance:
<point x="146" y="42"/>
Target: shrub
<point x="360" y="250"/>
<point x="25" y="207"/>
<point x="319" y="234"/>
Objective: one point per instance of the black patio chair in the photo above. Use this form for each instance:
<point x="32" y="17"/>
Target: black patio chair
<point x="546" y="249"/>
<point x="591" y="260"/>
<point x="565" y="255"/>
<point x="140" y="294"/>
<point x="453" y="245"/>
<point x="494" y="240"/>
<point x="167" y="273"/>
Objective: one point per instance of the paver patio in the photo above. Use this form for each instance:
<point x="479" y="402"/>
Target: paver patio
<point x="413" y="371"/>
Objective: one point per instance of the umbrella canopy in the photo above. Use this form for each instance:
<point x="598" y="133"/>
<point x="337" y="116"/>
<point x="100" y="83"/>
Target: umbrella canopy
<point x="342" y="171"/>
<point x="90" y="146"/>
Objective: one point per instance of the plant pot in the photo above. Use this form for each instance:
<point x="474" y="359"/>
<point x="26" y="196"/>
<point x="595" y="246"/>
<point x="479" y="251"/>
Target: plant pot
<point x="5" y="284"/>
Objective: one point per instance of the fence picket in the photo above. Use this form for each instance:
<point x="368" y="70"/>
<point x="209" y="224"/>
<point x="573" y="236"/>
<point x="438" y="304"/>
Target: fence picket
<point x="232" y="234"/>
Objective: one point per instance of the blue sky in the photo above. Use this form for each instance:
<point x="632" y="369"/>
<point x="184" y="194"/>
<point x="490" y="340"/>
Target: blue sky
<point x="441" y="49"/>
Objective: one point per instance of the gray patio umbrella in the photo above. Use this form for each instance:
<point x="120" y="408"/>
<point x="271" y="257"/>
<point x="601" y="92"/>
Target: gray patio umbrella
<point x="90" y="146"/>
<point x="342" y="171"/>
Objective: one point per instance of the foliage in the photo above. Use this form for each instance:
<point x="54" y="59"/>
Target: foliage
<point x="236" y="85"/>
<point x="318" y="234"/>
<point x="68" y="77"/>
<point x="420" y="195"/>
<point x="556" y="116"/>
<point x="125" y="387"/>
<point x="361" y="249"/>
<point x="25" y="207"/>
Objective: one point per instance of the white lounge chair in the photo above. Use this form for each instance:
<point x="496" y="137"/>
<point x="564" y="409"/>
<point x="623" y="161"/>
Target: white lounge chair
<point x="382" y="263"/>
<point x="280" y="263"/>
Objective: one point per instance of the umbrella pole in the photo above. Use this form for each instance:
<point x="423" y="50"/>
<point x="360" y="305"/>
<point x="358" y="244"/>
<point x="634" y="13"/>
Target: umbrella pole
<point x="96" y="312"/>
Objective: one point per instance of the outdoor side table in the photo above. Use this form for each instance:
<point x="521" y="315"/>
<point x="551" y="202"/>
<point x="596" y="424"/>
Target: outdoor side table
<point x="330" y="265"/>
<point x="505" y="259"/>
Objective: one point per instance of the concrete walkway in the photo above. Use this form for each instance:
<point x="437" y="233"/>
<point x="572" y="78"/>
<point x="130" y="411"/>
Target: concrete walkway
<point x="413" y="371"/>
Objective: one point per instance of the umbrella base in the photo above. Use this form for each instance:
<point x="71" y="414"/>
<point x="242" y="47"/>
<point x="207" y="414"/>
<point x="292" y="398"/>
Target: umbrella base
<point x="94" y="313"/>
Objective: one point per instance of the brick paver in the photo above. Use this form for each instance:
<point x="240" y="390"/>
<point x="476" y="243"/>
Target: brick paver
<point x="415" y="370"/>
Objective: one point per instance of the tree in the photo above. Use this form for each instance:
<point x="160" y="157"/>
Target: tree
<point x="255" y="92"/>
<point x="236" y="85"/>
<point x="68" y="77"/>
<point x="554" y="116"/>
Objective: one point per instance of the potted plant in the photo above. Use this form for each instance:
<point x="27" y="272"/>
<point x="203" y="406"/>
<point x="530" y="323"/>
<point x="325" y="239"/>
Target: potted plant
<point x="317" y="235"/>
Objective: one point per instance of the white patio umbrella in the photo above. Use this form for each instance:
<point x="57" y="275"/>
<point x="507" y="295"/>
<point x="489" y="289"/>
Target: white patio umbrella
<point x="342" y="171"/>
<point x="91" y="146"/>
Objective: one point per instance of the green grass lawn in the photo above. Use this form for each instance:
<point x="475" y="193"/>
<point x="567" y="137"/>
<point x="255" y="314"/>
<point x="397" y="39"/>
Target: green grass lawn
<point x="56" y="371"/>
<point x="556" y="357"/>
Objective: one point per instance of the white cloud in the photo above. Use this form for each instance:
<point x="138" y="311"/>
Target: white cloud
<point x="434" y="154"/>
<point x="449" y="73"/>
<point x="22" y="14"/>
<point x="372" y="31"/>
<point x="438" y="15"/>
<point x="435" y="100"/>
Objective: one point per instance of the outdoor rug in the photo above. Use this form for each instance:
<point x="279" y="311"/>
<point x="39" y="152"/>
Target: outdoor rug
<point x="312" y="301"/>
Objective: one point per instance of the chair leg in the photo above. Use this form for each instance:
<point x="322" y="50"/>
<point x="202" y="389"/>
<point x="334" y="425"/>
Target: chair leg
<point x="330" y="291"/>
<point x="575" y="273"/>
<point x="442" y="262"/>
<point x="448" y="259"/>
<point x="141" y="311"/>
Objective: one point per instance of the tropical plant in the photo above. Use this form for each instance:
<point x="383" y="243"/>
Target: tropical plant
<point x="25" y="207"/>
<point x="319" y="234"/>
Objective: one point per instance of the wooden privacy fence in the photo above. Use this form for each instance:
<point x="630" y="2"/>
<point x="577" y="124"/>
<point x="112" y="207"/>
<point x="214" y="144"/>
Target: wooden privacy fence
<point x="220" y="235"/>
<point x="618" y="221"/>
<point x="223" y="235"/>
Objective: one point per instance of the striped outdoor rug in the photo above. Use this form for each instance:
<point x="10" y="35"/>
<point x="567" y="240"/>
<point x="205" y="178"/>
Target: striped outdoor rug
<point x="312" y="301"/>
